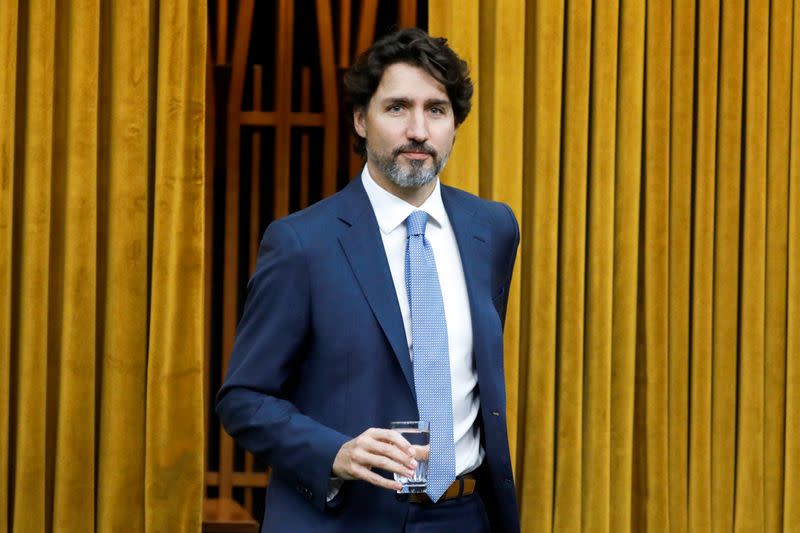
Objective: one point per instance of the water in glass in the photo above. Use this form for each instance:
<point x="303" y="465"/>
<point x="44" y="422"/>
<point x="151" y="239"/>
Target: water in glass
<point x="418" y="435"/>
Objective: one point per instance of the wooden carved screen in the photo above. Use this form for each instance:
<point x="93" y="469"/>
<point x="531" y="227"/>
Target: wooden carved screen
<point x="277" y="142"/>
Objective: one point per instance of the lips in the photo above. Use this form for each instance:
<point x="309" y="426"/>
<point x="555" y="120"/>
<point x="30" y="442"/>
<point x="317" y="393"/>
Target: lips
<point x="417" y="155"/>
<point x="415" y="151"/>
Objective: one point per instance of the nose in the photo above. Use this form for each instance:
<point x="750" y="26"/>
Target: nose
<point x="417" y="127"/>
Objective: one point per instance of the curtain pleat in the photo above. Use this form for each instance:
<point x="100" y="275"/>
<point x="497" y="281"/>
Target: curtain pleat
<point x="627" y="199"/>
<point x="653" y="362"/>
<point x="654" y="377"/>
<point x="74" y="258"/>
<point x="31" y="341"/>
<point x="777" y="213"/>
<point x="596" y="452"/>
<point x="124" y="252"/>
<point x="8" y="94"/>
<point x="791" y="489"/>
<point x="537" y="271"/>
<point x="175" y="366"/>
<point x="572" y="261"/>
<point x="702" y="299"/>
<point x="101" y="265"/>
<point x="791" y="494"/>
<point x="749" y="502"/>
<point x="680" y="222"/>
<point x="726" y="267"/>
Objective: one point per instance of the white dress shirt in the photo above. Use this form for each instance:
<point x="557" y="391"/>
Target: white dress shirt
<point x="391" y="213"/>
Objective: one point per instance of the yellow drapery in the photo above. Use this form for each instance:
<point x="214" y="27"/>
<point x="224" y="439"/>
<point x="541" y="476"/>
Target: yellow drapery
<point x="652" y="154"/>
<point x="101" y="265"/>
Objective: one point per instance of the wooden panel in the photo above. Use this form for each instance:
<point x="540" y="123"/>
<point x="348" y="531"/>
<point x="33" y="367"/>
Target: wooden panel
<point x="283" y="104"/>
<point x="366" y="35"/>
<point x="222" y="32"/>
<point x="345" y="10"/>
<point x="366" y="25"/>
<point x="210" y="125"/>
<point x="244" y="21"/>
<point x="305" y="154"/>
<point x="240" y="479"/>
<point x="270" y="118"/>
<point x="248" y="491"/>
<point x="224" y="515"/>
<point x="329" y="96"/>
<point x="255" y="171"/>
<point x="407" y="13"/>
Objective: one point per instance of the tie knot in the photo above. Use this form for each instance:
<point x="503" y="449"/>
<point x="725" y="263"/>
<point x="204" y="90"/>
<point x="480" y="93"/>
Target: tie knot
<point x="415" y="223"/>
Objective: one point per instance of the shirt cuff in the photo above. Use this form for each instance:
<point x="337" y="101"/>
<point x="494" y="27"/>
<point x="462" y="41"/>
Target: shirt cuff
<point x="334" y="485"/>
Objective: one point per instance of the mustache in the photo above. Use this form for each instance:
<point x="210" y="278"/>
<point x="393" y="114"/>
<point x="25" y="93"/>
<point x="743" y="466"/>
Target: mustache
<point x="415" y="147"/>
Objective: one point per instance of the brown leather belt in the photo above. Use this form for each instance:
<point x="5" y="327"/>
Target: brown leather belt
<point x="462" y="486"/>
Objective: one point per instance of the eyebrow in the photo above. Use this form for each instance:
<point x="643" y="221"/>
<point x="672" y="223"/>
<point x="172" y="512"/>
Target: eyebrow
<point x="437" y="101"/>
<point x="407" y="101"/>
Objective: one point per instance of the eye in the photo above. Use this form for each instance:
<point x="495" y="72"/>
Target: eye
<point x="394" y="108"/>
<point x="436" y="110"/>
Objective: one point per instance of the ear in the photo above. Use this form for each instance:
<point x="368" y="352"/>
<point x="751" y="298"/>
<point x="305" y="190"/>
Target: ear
<point x="360" y="121"/>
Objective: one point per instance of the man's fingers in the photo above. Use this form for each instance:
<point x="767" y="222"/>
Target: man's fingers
<point x="384" y="449"/>
<point x="370" y="461"/>
<point x="390" y="435"/>
<point x="391" y="444"/>
<point x="371" y="477"/>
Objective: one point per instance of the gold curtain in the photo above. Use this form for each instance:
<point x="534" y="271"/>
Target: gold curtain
<point x="101" y="265"/>
<point x="651" y="151"/>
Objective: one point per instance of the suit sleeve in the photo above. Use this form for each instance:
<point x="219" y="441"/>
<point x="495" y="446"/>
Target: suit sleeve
<point x="509" y="257"/>
<point x="269" y="349"/>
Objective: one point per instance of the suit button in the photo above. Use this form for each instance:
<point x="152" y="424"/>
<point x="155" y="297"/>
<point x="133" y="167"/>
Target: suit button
<point x="496" y="413"/>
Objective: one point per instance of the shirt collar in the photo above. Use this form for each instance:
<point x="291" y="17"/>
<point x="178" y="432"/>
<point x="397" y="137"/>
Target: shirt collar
<point x="392" y="211"/>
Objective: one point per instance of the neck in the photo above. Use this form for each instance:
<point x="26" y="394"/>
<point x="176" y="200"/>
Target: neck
<point x="415" y="196"/>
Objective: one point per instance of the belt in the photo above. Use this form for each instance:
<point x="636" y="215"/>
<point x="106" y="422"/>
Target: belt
<point x="462" y="486"/>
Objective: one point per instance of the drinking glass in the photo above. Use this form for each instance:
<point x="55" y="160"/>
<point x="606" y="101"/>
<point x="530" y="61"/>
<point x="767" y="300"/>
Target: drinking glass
<point x="418" y="434"/>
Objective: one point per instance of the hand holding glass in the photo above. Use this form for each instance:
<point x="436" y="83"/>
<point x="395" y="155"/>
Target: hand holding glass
<point x="418" y="434"/>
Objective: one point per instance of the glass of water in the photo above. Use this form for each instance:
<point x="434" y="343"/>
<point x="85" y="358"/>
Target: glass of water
<point x="418" y="434"/>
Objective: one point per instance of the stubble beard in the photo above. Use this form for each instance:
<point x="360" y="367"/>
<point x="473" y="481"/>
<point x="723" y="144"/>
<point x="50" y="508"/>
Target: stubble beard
<point x="417" y="174"/>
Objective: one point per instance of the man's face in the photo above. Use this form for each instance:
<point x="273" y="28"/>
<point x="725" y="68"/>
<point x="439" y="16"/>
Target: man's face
<point x="408" y="126"/>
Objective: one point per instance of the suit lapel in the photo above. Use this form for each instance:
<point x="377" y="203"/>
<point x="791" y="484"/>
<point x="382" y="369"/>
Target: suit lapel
<point x="472" y="236"/>
<point x="363" y="247"/>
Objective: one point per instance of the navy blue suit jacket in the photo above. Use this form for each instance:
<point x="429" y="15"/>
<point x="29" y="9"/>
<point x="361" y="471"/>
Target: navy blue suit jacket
<point x="321" y="355"/>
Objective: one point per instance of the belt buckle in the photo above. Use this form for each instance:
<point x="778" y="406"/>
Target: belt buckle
<point x="421" y="498"/>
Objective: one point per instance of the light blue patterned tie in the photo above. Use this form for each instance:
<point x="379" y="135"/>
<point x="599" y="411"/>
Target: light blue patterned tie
<point x="431" y="354"/>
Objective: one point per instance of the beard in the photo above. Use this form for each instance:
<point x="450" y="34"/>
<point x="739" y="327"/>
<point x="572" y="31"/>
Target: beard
<point x="417" y="174"/>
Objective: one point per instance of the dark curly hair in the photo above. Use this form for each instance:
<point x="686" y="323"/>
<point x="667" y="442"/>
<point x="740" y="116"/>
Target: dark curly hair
<point x="414" y="47"/>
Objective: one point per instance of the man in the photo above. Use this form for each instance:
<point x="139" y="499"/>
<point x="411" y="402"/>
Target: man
<point x="384" y="302"/>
